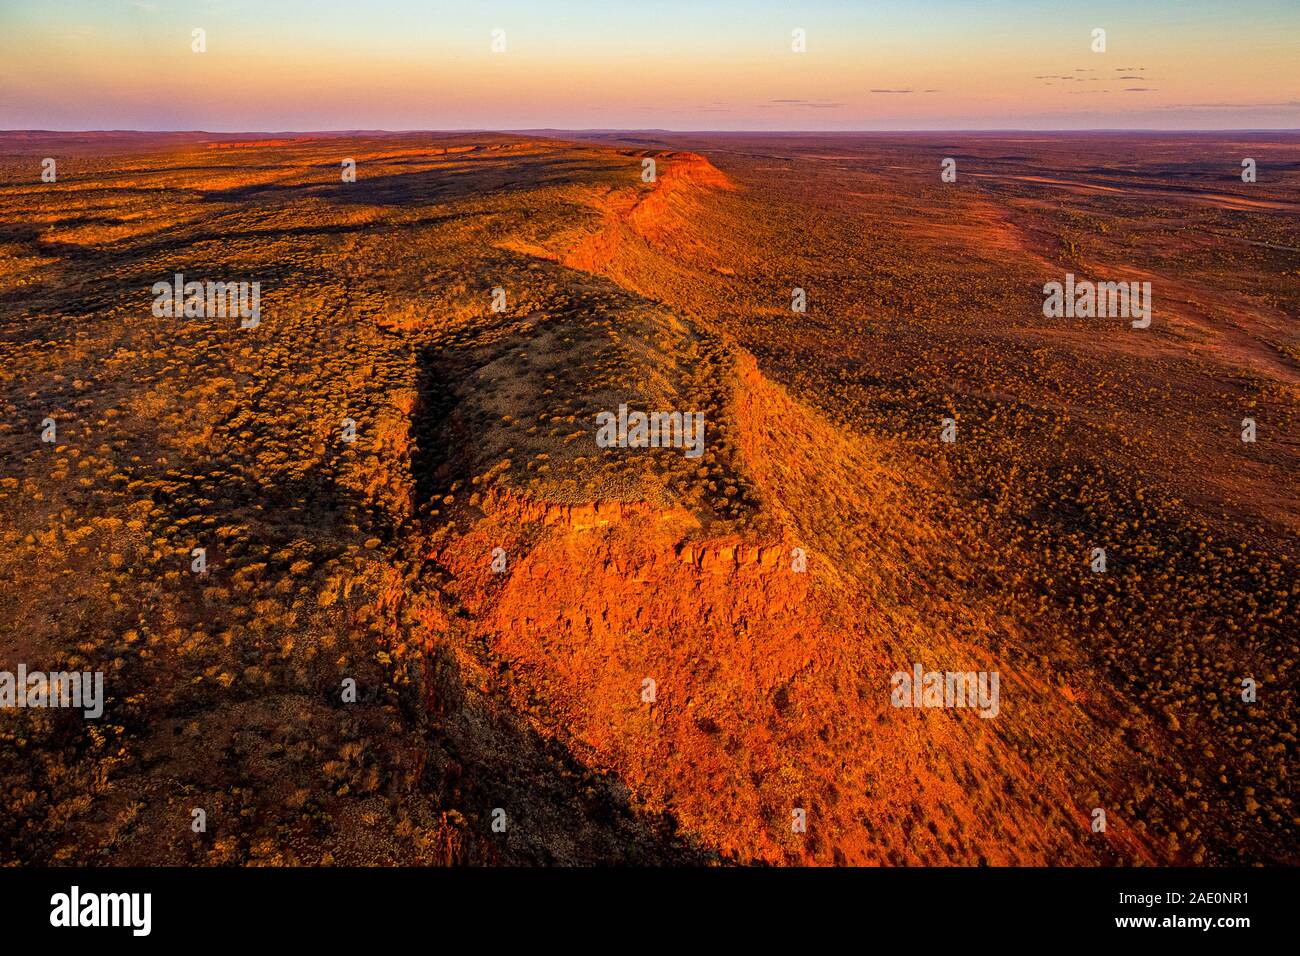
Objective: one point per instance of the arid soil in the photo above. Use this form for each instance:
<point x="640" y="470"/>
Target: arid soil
<point x="637" y="655"/>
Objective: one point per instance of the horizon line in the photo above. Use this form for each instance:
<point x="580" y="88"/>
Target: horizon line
<point x="617" y="129"/>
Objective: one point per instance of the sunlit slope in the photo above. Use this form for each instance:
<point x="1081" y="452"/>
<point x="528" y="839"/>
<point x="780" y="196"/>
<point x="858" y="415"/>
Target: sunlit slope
<point x="501" y="587"/>
<point x="771" y="685"/>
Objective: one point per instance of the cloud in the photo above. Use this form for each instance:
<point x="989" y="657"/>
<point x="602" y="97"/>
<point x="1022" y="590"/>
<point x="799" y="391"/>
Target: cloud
<point x="1288" y="105"/>
<point x="810" y="104"/>
<point x="1139" y="89"/>
<point x="893" y="91"/>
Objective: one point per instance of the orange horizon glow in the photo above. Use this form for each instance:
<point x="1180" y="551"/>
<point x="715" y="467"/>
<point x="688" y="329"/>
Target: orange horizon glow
<point x="395" y="65"/>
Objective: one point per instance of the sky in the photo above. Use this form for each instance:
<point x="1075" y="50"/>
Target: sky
<point x="310" y="65"/>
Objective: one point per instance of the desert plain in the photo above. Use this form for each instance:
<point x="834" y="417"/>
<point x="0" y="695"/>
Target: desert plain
<point x="437" y="622"/>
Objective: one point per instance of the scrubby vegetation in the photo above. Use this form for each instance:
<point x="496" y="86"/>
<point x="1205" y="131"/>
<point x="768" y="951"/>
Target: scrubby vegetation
<point x="330" y="560"/>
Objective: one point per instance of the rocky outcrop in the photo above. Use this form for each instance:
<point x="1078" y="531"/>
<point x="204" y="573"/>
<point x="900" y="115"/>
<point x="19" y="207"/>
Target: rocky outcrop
<point x="721" y="557"/>
<point x="569" y="516"/>
<point x="653" y="217"/>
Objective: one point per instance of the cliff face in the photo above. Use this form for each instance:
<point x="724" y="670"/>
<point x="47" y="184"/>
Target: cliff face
<point x="730" y="678"/>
